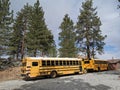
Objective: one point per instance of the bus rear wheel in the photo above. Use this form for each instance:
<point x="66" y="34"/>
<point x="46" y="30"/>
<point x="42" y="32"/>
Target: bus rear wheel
<point x="53" y="74"/>
<point x="99" y="69"/>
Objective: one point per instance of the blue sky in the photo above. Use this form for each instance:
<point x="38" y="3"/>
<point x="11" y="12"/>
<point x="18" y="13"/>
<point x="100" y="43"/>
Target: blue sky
<point x="107" y="11"/>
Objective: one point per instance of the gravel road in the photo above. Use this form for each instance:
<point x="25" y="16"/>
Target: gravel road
<point x="108" y="80"/>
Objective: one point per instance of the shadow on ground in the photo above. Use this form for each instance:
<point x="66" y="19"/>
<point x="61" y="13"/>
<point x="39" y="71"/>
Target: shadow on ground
<point x="62" y="84"/>
<point x="47" y="77"/>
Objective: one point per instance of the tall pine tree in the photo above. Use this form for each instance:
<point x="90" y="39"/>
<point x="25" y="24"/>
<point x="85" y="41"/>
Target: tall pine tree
<point x="6" y="19"/>
<point x="119" y="4"/>
<point x="39" y="38"/>
<point x="89" y="35"/>
<point x="52" y="51"/>
<point x="67" y="38"/>
<point x="20" y="28"/>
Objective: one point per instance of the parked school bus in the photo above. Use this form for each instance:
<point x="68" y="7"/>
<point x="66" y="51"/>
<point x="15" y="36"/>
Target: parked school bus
<point x="35" y="67"/>
<point x="94" y="65"/>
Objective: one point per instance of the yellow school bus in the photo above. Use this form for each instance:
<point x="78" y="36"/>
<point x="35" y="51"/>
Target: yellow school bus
<point x="94" y="65"/>
<point x="37" y="66"/>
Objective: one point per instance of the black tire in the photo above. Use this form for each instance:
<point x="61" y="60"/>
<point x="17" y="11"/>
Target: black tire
<point x="53" y="74"/>
<point x="99" y="69"/>
<point x="80" y="68"/>
<point x="76" y="72"/>
<point x="85" y="71"/>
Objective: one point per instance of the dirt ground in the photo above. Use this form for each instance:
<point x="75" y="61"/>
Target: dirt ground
<point x="14" y="74"/>
<point x="10" y="74"/>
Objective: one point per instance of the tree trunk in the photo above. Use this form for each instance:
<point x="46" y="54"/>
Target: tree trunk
<point x="17" y="55"/>
<point x="93" y="52"/>
<point x="22" y="48"/>
<point x="23" y="40"/>
<point x="88" y="52"/>
<point x="35" y="53"/>
<point x="88" y="43"/>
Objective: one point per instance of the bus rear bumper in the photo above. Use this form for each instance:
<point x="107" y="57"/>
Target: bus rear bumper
<point x="25" y="75"/>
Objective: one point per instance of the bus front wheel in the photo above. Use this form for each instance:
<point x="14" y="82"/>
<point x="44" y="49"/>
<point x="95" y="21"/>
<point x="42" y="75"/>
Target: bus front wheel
<point x="53" y="74"/>
<point x="85" y="70"/>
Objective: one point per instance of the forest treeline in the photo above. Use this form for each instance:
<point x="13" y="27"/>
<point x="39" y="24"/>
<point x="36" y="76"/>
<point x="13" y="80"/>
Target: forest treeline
<point x="28" y="35"/>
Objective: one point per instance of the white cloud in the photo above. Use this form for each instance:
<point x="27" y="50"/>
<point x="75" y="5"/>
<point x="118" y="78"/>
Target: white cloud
<point x="110" y="17"/>
<point x="55" y="11"/>
<point x="16" y="5"/>
<point x="109" y="55"/>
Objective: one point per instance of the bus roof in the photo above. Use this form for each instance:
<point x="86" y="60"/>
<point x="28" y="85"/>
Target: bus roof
<point x="51" y="58"/>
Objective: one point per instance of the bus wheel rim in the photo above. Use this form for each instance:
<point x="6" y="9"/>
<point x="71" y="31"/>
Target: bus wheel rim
<point x="53" y="74"/>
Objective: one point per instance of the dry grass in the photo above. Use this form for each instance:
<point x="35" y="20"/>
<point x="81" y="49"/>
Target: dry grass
<point x="10" y="74"/>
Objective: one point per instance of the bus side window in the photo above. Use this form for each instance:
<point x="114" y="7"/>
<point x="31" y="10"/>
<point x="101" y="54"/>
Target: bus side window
<point x="56" y="62"/>
<point x="64" y="63"/>
<point x="71" y="63"/>
<point x="34" y="63"/>
<point x="60" y="63"/>
<point x="52" y="63"/>
<point x="68" y="63"/>
<point x="48" y="63"/>
<point x="86" y="62"/>
<point x="76" y="62"/>
<point x="43" y="63"/>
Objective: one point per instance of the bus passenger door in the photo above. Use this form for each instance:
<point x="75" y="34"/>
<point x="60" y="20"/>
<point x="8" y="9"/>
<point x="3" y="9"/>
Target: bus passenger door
<point x="35" y="69"/>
